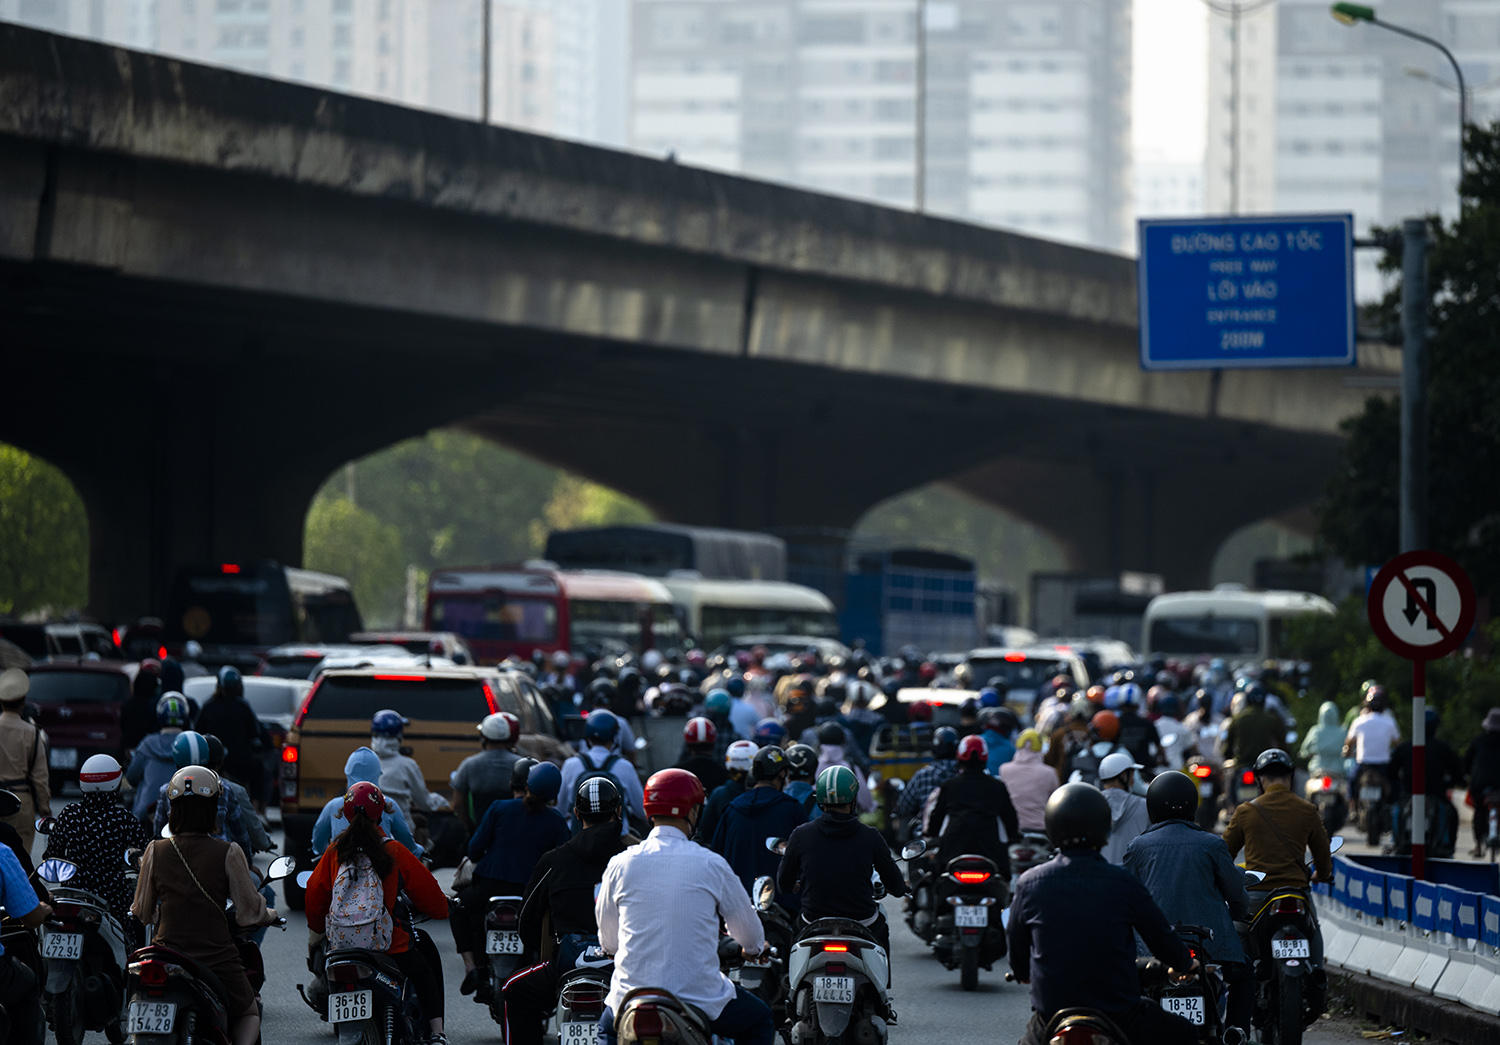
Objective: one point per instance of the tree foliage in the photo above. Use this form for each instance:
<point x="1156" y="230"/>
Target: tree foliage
<point x="44" y="537"/>
<point x="577" y="503"/>
<point x="344" y="539"/>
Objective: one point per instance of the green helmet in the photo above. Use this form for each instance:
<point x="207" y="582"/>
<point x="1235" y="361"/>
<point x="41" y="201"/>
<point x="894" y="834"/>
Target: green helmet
<point x="717" y="703"/>
<point x="837" y="786"/>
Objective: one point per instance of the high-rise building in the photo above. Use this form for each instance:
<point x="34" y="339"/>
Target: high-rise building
<point x="1027" y="103"/>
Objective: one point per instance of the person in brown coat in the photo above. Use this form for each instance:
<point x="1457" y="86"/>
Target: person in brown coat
<point x="23" y="757"/>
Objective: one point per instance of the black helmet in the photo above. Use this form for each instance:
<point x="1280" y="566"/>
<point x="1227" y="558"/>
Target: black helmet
<point x="1077" y="817"/>
<point x="801" y="761"/>
<point x="945" y="742"/>
<point x="1172" y="796"/>
<point x="1255" y="695"/>
<point x="769" y="763"/>
<point x="597" y="795"/>
<point x="601" y="693"/>
<point x="1276" y="760"/>
<point x="832" y="733"/>
<point x="519" y="770"/>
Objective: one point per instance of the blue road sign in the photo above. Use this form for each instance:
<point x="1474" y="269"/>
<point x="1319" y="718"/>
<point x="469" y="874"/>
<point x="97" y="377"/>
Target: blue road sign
<point x="1234" y="293"/>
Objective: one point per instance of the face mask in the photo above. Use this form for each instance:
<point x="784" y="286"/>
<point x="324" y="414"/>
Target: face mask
<point x="385" y="747"/>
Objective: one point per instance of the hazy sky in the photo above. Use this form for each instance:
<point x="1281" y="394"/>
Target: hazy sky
<point x="1171" y="79"/>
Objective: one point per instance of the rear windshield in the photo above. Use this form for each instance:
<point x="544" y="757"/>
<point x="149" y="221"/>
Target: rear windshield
<point x="435" y="699"/>
<point x="720" y="622"/>
<point x="1231" y="635"/>
<point x="495" y="617"/>
<point x="253" y="608"/>
<point x="77" y="687"/>
<point x="271" y="699"/>
<point x="291" y="667"/>
<point x="328" y="617"/>
<point x="1017" y="674"/>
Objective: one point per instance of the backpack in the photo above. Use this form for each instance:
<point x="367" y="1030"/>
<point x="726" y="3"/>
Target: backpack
<point x="357" y="915"/>
<point x="589" y="772"/>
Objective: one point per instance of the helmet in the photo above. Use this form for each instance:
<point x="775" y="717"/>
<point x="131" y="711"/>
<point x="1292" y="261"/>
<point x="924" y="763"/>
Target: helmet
<point x="769" y="731"/>
<point x="1077" y="816"/>
<point x="1029" y="738"/>
<point x="740" y="755"/>
<point x="99" y="773"/>
<point x="769" y="763"/>
<point x="1275" y="760"/>
<point x="830" y="733"/>
<point x="673" y="792"/>
<point x="544" y="780"/>
<point x="973" y="749"/>
<point x="194" y="780"/>
<point x="366" y="799"/>
<point x="230" y="681"/>
<point x="596" y="796"/>
<point x="1169" y="706"/>
<point x="215" y="751"/>
<point x="837" y="786"/>
<point x="1113" y="765"/>
<point x="699" y="732"/>
<point x="1095" y="695"/>
<point x="1154" y="695"/>
<point x="561" y="659"/>
<point x="1203" y="700"/>
<point x="1255" y="696"/>
<point x="989" y="697"/>
<point x="172" y="710"/>
<point x="388" y="723"/>
<point x="919" y="711"/>
<point x="1106" y="724"/>
<point x="944" y="742"/>
<point x="1376" y="699"/>
<point x="1081" y="708"/>
<point x="1172" y="796"/>
<point x="600" y="693"/>
<point x="190" y="749"/>
<point x="801" y="761"/>
<point x="1001" y="720"/>
<point x="735" y="684"/>
<point x="969" y="707"/>
<point x="716" y="703"/>
<point x="927" y="672"/>
<point x="518" y="771"/>
<point x="1364" y="687"/>
<point x="1130" y="695"/>
<point x="601" y="725"/>
<point x="500" y="727"/>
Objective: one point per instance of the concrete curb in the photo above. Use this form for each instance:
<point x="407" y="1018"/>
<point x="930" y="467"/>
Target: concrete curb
<point x="1387" y="1003"/>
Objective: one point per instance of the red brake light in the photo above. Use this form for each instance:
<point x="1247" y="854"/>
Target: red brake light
<point x="1063" y="649"/>
<point x="1202" y="771"/>
<point x="489" y="698"/>
<point x="229" y="567"/>
<point x="307" y="703"/>
<point x="972" y="877"/>
<point x="1077" y="1034"/>
<point x="116" y="635"/>
<point x="290" y="753"/>
<point x="161" y="653"/>
<point x="1288" y="905"/>
<point x="1327" y="782"/>
<point x="152" y="973"/>
<point x="1015" y="658"/>
<point x="1248" y="777"/>
<point x="838" y="948"/>
<point x="836" y="968"/>
<point x="647" y="1022"/>
<point x="401" y="678"/>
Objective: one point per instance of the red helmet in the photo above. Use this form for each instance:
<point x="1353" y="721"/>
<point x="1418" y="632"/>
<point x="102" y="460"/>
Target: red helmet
<point x="1106" y="724"/>
<point x="699" y="731"/>
<point x="365" y="798"/>
<point x="973" y="749"/>
<point x="919" y="711"/>
<point x="927" y="672"/>
<point x="673" y="792"/>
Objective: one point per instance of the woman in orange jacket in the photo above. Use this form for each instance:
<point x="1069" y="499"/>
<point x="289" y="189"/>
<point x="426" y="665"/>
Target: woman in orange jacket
<point x="399" y="872"/>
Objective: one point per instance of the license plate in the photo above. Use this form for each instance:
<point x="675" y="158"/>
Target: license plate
<point x="1370" y="794"/>
<point x="1189" y="1007"/>
<point x="151" y="1017"/>
<point x="971" y="917"/>
<point x="346" y="1006"/>
<point x="1248" y="794"/>
<point x="836" y="989"/>
<point x="62" y="945"/>
<point x="63" y="758"/>
<point x="1290" y="949"/>
<point x="1206" y="790"/>
<point x="579" y="1032"/>
<point x="502" y="941"/>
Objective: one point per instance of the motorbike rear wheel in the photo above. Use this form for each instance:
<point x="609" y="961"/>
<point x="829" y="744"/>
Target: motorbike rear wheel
<point x="63" y="1016"/>
<point x="188" y="1028"/>
<point x="968" y="972"/>
<point x="1373" y="816"/>
<point x="1289" y="1012"/>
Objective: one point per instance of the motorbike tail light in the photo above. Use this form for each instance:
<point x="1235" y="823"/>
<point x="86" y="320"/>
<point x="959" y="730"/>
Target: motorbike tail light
<point x="67" y="911"/>
<point x="1248" y="777"/>
<point x="290" y="754"/>
<point x="505" y="917"/>
<point x="1079" y="1034"/>
<point x="1327" y="783"/>
<point x="972" y="877"/>
<point x="837" y="948"/>
<point x="1022" y="854"/>
<point x="1202" y="771"/>
<point x="1289" y="905"/>
<point x="646" y="1021"/>
<point x="349" y="972"/>
<point x="151" y="973"/>
<point x="584" y="997"/>
<point x="836" y="968"/>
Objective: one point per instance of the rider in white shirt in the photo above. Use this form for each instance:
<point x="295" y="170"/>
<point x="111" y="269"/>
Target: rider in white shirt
<point x="1372" y="737"/>
<point x="658" y="909"/>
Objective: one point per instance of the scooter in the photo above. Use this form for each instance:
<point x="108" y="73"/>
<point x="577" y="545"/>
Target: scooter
<point x="1033" y="850"/>
<point x="838" y="974"/>
<point x="85" y="953"/>
<point x="1239" y="786"/>
<point x="370" y="1000"/>
<point x="174" y="998"/>
<point x="920" y="903"/>
<point x="766" y="978"/>
<point x="580" y="997"/>
<point x="1202" y="999"/>
<point x="1327" y="793"/>
<point x="1374" y="794"/>
<point x="1080" y="1026"/>
<point x="651" y="1015"/>
<point x="13" y="937"/>
<point x="503" y="948"/>
<point x="967" y="891"/>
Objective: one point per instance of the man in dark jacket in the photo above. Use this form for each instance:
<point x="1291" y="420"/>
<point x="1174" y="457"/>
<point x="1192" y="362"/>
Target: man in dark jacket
<point x="830" y="860"/>
<point x="964" y="818"/>
<point x="562" y="888"/>
<point x="698" y="754"/>
<point x="760" y="813"/>
<point x="1253" y="730"/>
<point x="227" y="716"/>
<point x="1482" y="762"/>
<point x="138" y="714"/>
<point x="737" y="760"/>
<point x="1137" y="733"/>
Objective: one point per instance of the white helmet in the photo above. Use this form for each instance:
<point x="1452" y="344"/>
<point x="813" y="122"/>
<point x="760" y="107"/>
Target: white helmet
<point x="99" y="773"/>
<point x="651" y="659"/>
<point x="500" y="727"/>
<point x="193" y="780"/>
<point x="740" y="755"/>
<point x="1116" y="763"/>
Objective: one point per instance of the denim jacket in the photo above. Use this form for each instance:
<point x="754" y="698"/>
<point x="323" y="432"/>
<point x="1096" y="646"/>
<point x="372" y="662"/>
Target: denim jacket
<point x="1193" y="879"/>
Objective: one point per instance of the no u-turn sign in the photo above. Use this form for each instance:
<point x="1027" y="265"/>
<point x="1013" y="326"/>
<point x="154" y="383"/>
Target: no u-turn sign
<point x="1421" y="605"/>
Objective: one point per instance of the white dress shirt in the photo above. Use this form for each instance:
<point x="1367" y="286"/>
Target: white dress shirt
<point x="658" y="910"/>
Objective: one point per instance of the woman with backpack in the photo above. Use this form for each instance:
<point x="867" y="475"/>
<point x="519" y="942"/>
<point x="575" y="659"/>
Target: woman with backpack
<point x="504" y="851"/>
<point x="354" y="889"/>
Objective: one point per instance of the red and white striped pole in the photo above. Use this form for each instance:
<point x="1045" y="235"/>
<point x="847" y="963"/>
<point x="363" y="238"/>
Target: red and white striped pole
<point x="1418" y="769"/>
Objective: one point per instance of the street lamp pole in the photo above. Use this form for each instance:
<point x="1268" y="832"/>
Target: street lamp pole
<point x="484" y="64"/>
<point x="919" y="195"/>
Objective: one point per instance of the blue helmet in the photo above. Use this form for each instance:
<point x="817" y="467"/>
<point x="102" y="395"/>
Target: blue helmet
<point x="735" y="684"/>
<point x="769" y="731"/>
<point x="172" y="710"/>
<point x="989" y="697"/>
<point x="388" y="723"/>
<point x="600" y="725"/>
<point x="230" y="681"/>
<point x="544" y="780"/>
<point x="190" y="749"/>
<point x="717" y="702"/>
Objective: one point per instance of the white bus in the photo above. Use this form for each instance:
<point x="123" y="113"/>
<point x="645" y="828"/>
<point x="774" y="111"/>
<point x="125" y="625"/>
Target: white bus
<point x="713" y="611"/>
<point x="1228" y="622"/>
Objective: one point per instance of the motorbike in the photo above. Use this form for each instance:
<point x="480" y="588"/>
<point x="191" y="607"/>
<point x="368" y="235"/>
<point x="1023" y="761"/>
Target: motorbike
<point x="967" y="937"/>
<point x="84" y="949"/>
<point x="1206" y="775"/>
<point x="1239" y="786"/>
<point x="838" y="976"/>
<point x="766" y="978"/>
<point x="370" y="1001"/>
<point x="580" y="997"/>
<point x="502" y="947"/>
<point x="651" y="1015"/>
<point x="1080" y="1026"/>
<point x="1032" y="850"/>
<point x="1202" y="999"/>
<point x="15" y="938"/>
<point x="172" y="998"/>
<point x="920" y="905"/>
<point x="1327" y="793"/>
<point x="1440" y="833"/>
<point x="1374" y="786"/>
<point x="1491" y="807"/>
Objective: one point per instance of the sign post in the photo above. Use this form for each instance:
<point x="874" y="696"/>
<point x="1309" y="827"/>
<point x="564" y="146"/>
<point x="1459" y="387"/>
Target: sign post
<point x="1421" y="607"/>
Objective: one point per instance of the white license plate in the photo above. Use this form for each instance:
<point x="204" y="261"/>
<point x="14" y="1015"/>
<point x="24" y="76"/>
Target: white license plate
<point x="151" y="1017"/>
<point x="1206" y="790"/>
<point x="1189" y="1008"/>
<point x="1290" y="949"/>
<point x="1370" y="794"/>
<point x="971" y="917"/>
<point x="63" y="758"/>
<point x="1248" y="794"/>
<point x="836" y="989"/>
<point x="579" y="1032"/>
<point x="62" y="945"/>
<point x="502" y="941"/>
<point x="346" y="1006"/>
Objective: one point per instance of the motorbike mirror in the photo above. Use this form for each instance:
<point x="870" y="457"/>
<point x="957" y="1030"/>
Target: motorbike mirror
<point x="1291" y="736"/>
<point x="303" y="879"/>
<point x="281" y="867"/>
<point x="56" y="871"/>
<point x="913" y="849"/>
<point x="1255" y="877"/>
<point x="764" y="892"/>
<point x="776" y="845"/>
<point x="133" y="858"/>
<point x="1170" y="740"/>
<point x="44" y="825"/>
<point x="10" y="803"/>
<point x="896" y="784"/>
<point x="1335" y="843"/>
<point x="641" y="743"/>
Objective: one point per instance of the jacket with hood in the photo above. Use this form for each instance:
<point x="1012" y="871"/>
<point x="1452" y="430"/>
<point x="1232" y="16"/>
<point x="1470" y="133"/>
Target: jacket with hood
<point x="400" y="777"/>
<point x="564" y="883"/>
<point x="740" y="837"/>
<point x="1001" y="749"/>
<point x="1030" y="782"/>
<point x="829" y="861"/>
<point x="150" y="768"/>
<point x="1127" y="819"/>
<point x="362" y="767"/>
<point x="713" y="809"/>
<point x="966" y="817"/>
<point x="1323" y="747"/>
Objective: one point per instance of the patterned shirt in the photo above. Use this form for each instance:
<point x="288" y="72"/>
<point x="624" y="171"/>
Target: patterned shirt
<point x="94" y="833"/>
<point x="923" y="782"/>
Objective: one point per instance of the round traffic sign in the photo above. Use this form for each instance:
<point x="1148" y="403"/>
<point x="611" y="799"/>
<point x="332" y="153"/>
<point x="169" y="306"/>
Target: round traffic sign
<point x="1421" y="605"/>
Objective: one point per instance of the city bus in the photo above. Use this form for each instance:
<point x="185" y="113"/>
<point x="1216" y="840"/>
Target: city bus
<point x="1228" y="622"/>
<point x="657" y="549"/>
<point x="714" y="611"/>
<point x="503" y="611"/>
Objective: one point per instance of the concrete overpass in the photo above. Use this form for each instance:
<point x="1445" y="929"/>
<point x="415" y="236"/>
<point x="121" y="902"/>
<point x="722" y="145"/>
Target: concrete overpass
<point x="216" y="288"/>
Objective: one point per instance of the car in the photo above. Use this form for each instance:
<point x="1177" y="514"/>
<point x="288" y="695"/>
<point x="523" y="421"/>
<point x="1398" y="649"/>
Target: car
<point x="298" y="660"/>
<point x="444" y="705"/>
<point x="1022" y="669"/>
<point x="79" y="707"/>
<point x="275" y="702"/>
<point x="827" y="648"/>
<point x="79" y="639"/>
<point x="1101" y="656"/>
<point x="445" y="644"/>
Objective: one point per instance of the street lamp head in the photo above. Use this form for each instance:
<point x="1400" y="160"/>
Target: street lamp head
<point x="1351" y="13"/>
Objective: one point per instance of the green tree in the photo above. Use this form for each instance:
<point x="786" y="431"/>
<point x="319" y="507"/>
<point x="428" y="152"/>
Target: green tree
<point x="44" y="537"/>
<point x="344" y="539"/>
<point x="577" y="503"/>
